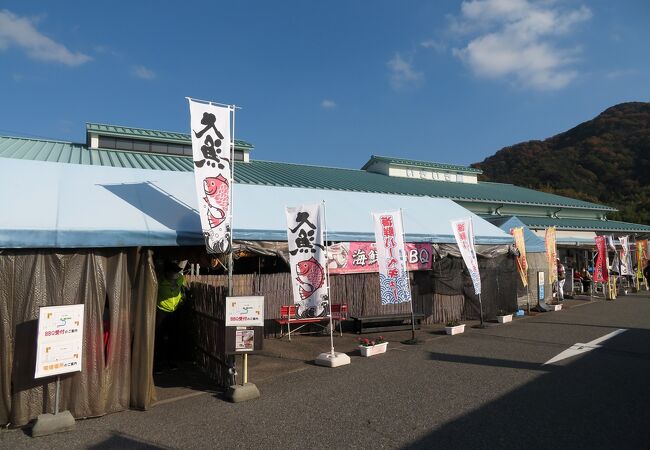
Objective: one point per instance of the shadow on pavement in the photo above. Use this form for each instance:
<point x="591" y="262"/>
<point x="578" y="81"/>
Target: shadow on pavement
<point x="598" y="400"/>
<point x="123" y="441"/>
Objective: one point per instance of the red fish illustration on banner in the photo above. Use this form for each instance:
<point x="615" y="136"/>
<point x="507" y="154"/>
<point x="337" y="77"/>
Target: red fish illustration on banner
<point x="310" y="276"/>
<point x="217" y="198"/>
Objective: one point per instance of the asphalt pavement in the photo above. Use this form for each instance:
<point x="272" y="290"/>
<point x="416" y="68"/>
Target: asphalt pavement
<point x="486" y="388"/>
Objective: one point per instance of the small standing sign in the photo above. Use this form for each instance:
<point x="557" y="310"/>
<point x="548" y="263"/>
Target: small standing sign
<point x="244" y="324"/>
<point x="59" y="350"/>
<point x="60" y="340"/>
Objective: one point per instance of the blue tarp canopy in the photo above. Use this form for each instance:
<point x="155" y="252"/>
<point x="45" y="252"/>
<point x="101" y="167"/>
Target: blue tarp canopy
<point x="534" y="244"/>
<point x="55" y="205"/>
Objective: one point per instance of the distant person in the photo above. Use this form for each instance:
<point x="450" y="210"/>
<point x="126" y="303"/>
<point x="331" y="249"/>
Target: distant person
<point x="577" y="279"/>
<point x="646" y="274"/>
<point x="561" y="278"/>
<point x="171" y="292"/>
<point x="586" y="279"/>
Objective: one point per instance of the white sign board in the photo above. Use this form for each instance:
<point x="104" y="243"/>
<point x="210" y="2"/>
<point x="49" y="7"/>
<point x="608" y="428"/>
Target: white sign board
<point x="60" y="340"/>
<point x="245" y="311"/>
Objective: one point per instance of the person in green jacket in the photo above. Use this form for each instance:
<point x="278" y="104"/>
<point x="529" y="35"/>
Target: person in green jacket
<point x="171" y="293"/>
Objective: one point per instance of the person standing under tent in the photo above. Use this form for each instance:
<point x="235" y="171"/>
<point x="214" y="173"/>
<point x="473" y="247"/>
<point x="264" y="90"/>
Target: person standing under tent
<point x="171" y="292"/>
<point x="561" y="278"/>
<point x="646" y="274"/>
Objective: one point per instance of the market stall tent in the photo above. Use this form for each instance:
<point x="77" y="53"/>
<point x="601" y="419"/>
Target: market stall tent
<point x="54" y="205"/>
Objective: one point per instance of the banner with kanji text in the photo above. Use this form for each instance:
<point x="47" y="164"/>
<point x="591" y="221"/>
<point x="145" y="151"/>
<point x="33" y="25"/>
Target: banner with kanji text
<point x="307" y="259"/>
<point x="551" y="253"/>
<point x="520" y="244"/>
<point x="391" y="258"/>
<point x="361" y="257"/>
<point x="464" y="234"/>
<point x="601" y="270"/>
<point x="211" y="153"/>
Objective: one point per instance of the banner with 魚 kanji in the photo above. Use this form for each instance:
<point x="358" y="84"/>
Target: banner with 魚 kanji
<point x="211" y="153"/>
<point x="601" y="271"/>
<point x="520" y="244"/>
<point x="391" y="258"/>
<point x="464" y="234"/>
<point x="305" y="233"/>
<point x="551" y="254"/>
<point x="361" y="257"/>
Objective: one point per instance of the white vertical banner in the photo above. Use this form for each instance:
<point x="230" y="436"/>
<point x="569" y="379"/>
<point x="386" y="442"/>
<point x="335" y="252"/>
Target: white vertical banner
<point x="464" y="234"/>
<point x="626" y="260"/>
<point x="307" y="259"/>
<point x="391" y="258"/>
<point x="212" y="155"/>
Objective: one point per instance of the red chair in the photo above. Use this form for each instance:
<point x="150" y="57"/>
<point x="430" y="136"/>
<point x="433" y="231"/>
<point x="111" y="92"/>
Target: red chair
<point x="340" y="313"/>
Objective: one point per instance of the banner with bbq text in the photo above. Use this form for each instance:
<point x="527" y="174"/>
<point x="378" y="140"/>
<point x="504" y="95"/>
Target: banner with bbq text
<point x="551" y="253"/>
<point x="305" y="233"/>
<point x="601" y="270"/>
<point x="391" y="258"/>
<point x="520" y="245"/>
<point x="212" y="156"/>
<point x="361" y="257"/>
<point x="464" y="234"/>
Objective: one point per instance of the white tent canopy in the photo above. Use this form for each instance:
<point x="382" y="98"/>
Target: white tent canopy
<point x="54" y="205"/>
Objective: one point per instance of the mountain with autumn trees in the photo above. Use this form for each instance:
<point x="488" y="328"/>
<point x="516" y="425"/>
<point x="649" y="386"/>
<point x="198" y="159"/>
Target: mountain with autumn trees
<point x="605" y="160"/>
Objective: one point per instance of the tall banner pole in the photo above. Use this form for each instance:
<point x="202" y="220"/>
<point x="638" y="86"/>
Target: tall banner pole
<point x="232" y="227"/>
<point x="327" y="278"/>
<point x="331" y="359"/>
<point x="408" y="278"/>
<point x="464" y="235"/>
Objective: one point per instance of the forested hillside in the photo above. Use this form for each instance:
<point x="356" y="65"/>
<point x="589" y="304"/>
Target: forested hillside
<point x="605" y="160"/>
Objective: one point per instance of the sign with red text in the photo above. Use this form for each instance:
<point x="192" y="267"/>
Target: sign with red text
<point x="361" y="257"/>
<point x="59" y="346"/>
<point x="391" y="258"/>
<point x="601" y="271"/>
<point x="245" y="311"/>
<point x="464" y="234"/>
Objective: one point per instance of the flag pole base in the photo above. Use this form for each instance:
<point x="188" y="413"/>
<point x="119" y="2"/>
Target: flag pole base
<point x="238" y="393"/>
<point x="53" y="423"/>
<point x="330" y="359"/>
<point x="413" y="341"/>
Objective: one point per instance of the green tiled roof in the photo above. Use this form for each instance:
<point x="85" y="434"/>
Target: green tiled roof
<point x="584" y="225"/>
<point x="142" y="133"/>
<point x="416" y="163"/>
<point x="293" y="175"/>
<point x="67" y="152"/>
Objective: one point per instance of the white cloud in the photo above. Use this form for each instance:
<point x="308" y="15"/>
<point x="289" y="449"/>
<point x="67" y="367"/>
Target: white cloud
<point x="328" y="104"/>
<point x="21" y="32"/>
<point x="402" y="73"/>
<point x="143" y="73"/>
<point x="620" y="73"/>
<point x="434" y="45"/>
<point x="519" y="40"/>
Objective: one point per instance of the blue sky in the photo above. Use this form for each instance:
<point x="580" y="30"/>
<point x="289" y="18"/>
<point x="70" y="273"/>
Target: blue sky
<point x="326" y="83"/>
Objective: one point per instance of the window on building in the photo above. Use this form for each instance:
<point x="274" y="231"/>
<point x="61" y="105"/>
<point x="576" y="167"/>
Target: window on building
<point x="141" y="146"/>
<point x="124" y="144"/>
<point x="158" y="147"/>
<point x="106" y="142"/>
<point x="174" y="149"/>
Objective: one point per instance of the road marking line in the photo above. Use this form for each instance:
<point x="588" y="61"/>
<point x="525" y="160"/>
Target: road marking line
<point x="579" y="348"/>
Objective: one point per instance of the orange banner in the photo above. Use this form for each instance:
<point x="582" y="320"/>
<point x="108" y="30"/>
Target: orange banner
<point x="522" y="262"/>
<point x="551" y="254"/>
